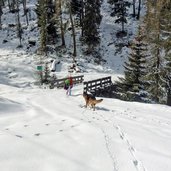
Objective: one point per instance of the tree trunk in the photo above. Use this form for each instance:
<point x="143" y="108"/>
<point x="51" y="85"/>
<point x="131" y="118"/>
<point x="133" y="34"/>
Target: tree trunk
<point x="158" y="66"/>
<point x="82" y="17"/>
<point x="139" y="9"/>
<point x="1" y="14"/>
<point x="25" y="11"/>
<point x="133" y="8"/>
<point x="19" y="30"/>
<point x="73" y="33"/>
<point x="61" y="24"/>
<point x="169" y="94"/>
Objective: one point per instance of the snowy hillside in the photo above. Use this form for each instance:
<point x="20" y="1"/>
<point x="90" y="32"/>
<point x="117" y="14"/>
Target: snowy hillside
<point x="13" y="58"/>
<point x="45" y="130"/>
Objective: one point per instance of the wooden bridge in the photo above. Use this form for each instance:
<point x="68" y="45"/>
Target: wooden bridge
<point x="59" y="83"/>
<point x="101" y="87"/>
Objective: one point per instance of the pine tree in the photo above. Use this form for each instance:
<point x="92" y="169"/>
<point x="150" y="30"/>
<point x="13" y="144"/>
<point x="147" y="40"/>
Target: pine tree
<point x="166" y="34"/>
<point x="157" y="27"/>
<point x="132" y="86"/>
<point x="46" y="74"/>
<point x="119" y="10"/>
<point x="73" y="33"/>
<point x="91" y="22"/>
<point x="51" y="28"/>
<point x="42" y="23"/>
<point x="59" y="19"/>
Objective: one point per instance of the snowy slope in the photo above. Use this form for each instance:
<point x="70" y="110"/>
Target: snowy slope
<point x="44" y="130"/>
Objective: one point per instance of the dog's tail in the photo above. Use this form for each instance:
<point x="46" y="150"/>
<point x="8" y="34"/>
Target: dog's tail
<point x="99" y="101"/>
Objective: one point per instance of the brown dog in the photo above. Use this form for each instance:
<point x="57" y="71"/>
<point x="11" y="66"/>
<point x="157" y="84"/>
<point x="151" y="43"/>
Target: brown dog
<point x="91" y="100"/>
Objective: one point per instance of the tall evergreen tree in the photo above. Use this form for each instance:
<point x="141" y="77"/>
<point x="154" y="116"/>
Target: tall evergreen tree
<point x="42" y="23"/>
<point x="73" y="33"/>
<point x="132" y="86"/>
<point x="59" y="19"/>
<point x="119" y="10"/>
<point x="156" y="26"/>
<point x="91" y="22"/>
<point x="51" y="28"/>
<point x="166" y="34"/>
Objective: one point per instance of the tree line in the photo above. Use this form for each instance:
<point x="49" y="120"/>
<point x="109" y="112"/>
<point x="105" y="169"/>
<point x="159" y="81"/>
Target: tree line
<point x="148" y="69"/>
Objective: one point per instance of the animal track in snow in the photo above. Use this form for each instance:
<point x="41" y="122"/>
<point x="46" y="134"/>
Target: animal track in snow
<point x="138" y="165"/>
<point x="19" y="136"/>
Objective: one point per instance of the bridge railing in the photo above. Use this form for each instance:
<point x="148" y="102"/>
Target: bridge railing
<point x="95" y="85"/>
<point x="59" y="83"/>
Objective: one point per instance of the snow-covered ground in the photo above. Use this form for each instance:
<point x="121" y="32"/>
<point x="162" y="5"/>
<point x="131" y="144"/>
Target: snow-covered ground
<point x="45" y="130"/>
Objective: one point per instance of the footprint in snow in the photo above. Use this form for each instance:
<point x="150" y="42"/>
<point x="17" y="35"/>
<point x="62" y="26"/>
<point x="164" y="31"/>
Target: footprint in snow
<point x="19" y="136"/>
<point x="135" y="162"/>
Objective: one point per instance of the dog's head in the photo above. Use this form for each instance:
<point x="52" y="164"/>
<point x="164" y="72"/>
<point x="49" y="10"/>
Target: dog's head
<point x="87" y="96"/>
<point x="84" y="94"/>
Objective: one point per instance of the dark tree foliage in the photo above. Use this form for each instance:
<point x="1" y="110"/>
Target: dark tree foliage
<point x="45" y="12"/>
<point x="51" y="29"/>
<point x="91" y="22"/>
<point x="119" y="10"/>
<point x="77" y="9"/>
<point x="132" y="86"/>
<point x="76" y="6"/>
